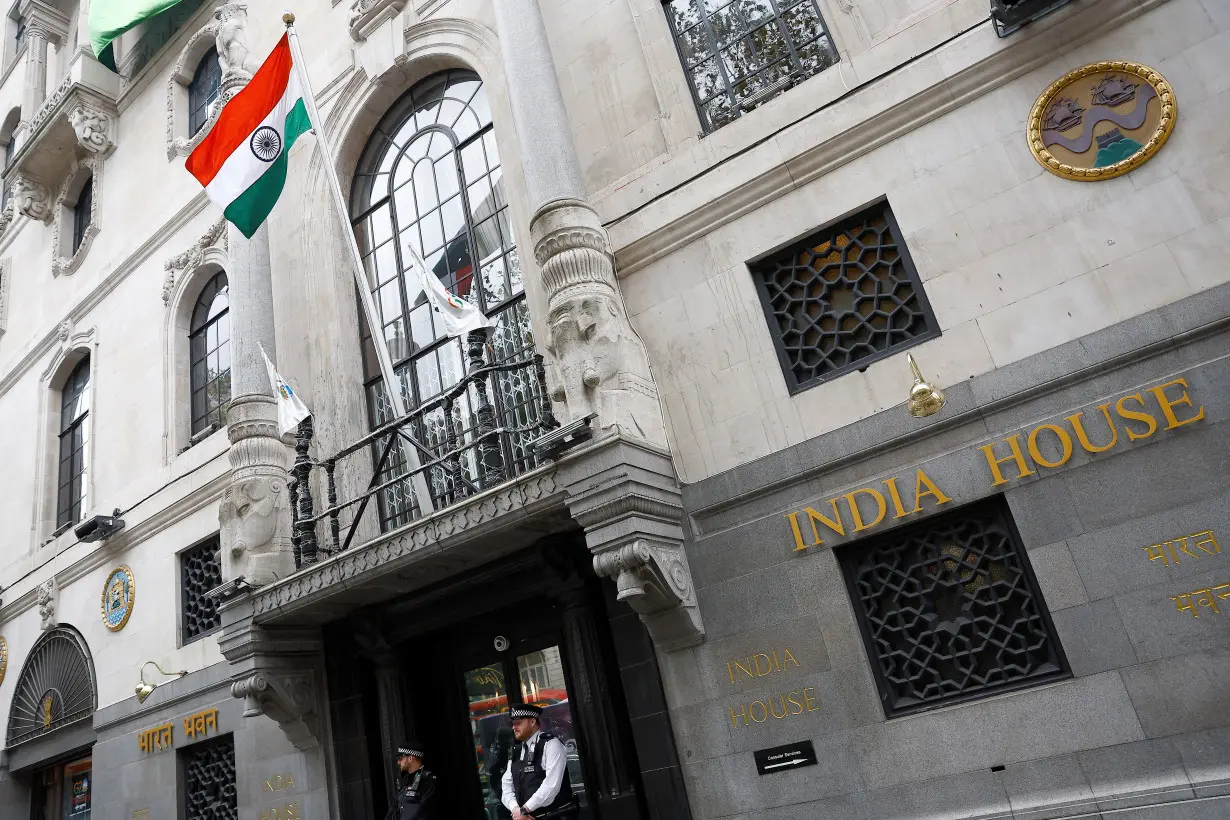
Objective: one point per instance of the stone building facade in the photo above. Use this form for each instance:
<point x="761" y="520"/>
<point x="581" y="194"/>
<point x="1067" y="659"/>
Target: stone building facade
<point x="673" y="494"/>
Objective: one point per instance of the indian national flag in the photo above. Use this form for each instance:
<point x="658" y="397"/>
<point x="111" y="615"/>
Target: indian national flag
<point x="111" y="18"/>
<point x="242" y="162"/>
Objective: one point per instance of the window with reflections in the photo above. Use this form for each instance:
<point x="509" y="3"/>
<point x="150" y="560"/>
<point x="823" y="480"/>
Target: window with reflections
<point x="209" y="345"/>
<point x="431" y="182"/>
<point x="74" y="439"/>
<point x="203" y="90"/>
<point x="741" y="53"/>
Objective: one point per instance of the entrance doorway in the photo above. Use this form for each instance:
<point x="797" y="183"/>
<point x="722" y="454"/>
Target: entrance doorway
<point x="487" y="666"/>
<point x="445" y="664"/>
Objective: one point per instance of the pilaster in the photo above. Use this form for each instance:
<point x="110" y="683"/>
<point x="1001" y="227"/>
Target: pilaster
<point x="45" y="25"/>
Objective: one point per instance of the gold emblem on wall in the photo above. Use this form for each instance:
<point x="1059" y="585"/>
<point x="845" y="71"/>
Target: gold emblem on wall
<point x="1102" y="120"/>
<point x="119" y="595"/>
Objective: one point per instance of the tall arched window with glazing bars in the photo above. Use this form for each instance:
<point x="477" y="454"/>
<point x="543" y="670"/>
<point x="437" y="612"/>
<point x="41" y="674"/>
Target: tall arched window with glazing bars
<point x="739" y="54"/>
<point x="431" y="181"/>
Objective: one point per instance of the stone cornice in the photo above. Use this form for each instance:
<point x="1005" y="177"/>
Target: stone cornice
<point x="120" y="272"/>
<point x="637" y="247"/>
<point x="368" y="15"/>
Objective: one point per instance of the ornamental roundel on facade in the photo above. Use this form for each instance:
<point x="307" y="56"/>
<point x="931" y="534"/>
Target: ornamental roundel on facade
<point x="1102" y="120"/>
<point x="119" y="596"/>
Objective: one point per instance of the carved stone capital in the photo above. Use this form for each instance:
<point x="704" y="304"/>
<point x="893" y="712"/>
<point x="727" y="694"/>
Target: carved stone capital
<point x="254" y="516"/>
<point x="597" y="364"/>
<point x="627" y="498"/>
<point x="287" y="697"/>
<point x="33" y="198"/>
<point x="94" y="127"/>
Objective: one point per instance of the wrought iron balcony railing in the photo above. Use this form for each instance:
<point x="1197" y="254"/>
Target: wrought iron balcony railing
<point x="471" y="437"/>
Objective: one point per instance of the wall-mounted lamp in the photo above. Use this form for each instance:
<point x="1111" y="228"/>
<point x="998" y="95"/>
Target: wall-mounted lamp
<point x="99" y="528"/>
<point x="144" y="690"/>
<point x="925" y="398"/>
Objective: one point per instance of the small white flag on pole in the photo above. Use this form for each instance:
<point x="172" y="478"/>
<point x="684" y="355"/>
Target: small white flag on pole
<point x="291" y="409"/>
<point x="459" y="316"/>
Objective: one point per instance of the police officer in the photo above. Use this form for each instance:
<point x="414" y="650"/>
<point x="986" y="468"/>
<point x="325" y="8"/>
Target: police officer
<point x="535" y="784"/>
<point x="416" y="797"/>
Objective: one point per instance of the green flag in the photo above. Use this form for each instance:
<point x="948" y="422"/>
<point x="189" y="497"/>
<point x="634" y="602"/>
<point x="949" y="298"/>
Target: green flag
<point x="111" y="18"/>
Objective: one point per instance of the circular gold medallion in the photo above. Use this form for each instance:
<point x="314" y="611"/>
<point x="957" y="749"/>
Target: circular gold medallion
<point x="4" y="657"/>
<point x="1102" y="120"/>
<point x="119" y="595"/>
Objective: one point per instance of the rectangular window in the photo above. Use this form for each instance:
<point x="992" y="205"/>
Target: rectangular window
<point x="207" y="777"/>
<point x="950" y="611"/>
<point x="200" y="570"/>
<point x="842" y="298"/>
<point x="82" y="212"/>
<point x="739" y="54"/>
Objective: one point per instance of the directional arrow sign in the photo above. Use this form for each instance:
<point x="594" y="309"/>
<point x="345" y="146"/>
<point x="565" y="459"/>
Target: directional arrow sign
<point x="783" y="758"/>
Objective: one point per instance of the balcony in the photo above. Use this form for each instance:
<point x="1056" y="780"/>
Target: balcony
<point x="468" y="441"/>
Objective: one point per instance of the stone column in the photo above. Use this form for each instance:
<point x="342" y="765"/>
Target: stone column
<point x="37" y="39"/>
<point x="254" y="517"/>
<point x="596" y="364"/>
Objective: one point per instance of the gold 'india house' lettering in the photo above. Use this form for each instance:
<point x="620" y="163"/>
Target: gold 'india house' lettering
<point x="866" y="507"/>
<point x="776" y="707"/>
<point x="1051" y="445"/>
<point x="759" y="665"/>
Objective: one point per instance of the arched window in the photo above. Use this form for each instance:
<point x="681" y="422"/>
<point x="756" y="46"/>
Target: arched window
<point x="431" y="179"/>
<point x="82" y="212"/>
<point x="209" y="344"/>
<point x="74" y="435"/>
<point x="56" y="687"/>
<point x="203" y="90"/>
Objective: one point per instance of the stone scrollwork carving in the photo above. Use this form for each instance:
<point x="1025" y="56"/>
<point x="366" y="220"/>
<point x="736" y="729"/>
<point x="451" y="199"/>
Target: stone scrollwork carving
<point x="213" y="240"/>
<point x="93" y="127"/>
<point x="288" y="698"/>
<point x="653" y="578"/>
<point x="66" y="259"/>
<point x="597" y="364"/>
<point x="7" y="214"/>
<point x="254" y="517"/>
<point x="48" y="593"/>
<point x="32" y="197"/>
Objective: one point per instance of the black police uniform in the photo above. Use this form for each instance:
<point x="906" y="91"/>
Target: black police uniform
<point x="416" y="797"/>
<point x="528" y="776"/>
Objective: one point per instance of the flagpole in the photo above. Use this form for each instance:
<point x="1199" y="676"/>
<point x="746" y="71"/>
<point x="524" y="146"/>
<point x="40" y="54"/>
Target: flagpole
<point x="392" y="385"/>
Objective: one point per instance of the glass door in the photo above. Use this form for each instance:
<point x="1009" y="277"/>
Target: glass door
<point x="519" y="671"/>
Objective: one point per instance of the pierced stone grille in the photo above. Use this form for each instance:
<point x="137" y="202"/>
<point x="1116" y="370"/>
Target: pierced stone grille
<point x="200" y="570"/>
<point x="950" y="610"/>
<point x="842" y="298"/>
<point x="209" y="781"/>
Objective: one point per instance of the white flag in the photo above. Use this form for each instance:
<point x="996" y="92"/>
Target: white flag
<point x="291" y="409"/>
<point x="459" y="316"/>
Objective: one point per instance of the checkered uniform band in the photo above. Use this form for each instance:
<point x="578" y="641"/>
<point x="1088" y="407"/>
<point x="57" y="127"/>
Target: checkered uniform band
<point x="402" y="751"/>
<point x="523" y="711"/>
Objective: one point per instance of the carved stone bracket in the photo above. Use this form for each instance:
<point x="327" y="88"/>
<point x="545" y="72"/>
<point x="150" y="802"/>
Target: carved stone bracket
<point x="597" y="363"/>
<point x="627" y="498"/>
<point x="32" y="198"/>
<point x="213" y="243"/>
<point x="94" y="127"/>
<point x="48" y="598"/>
<point x="288" y="698"/>
<point x="368" y="15"/>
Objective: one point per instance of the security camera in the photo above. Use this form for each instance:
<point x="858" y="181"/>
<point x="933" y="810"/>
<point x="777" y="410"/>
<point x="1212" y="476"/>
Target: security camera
<point x="99" y="528"/>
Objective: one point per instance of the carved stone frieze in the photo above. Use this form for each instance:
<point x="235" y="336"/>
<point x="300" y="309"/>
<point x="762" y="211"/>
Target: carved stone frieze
<point x="6" y="215"/>
<point x="214" y="240"/>
<point x="286" y="697"/>
<point x="531" y="492"/>
<point x="32" y="198"/>
<point x="48" y="597"/>
<point x="626" y="496"/>
<point x="254" y="517"/>
<point x="596" y="363"/>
